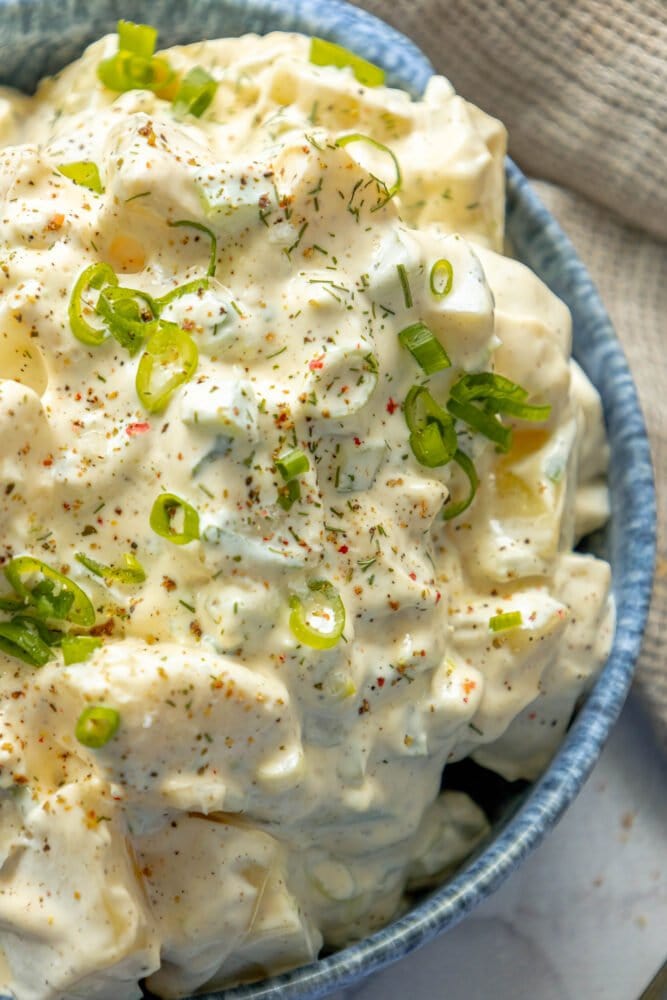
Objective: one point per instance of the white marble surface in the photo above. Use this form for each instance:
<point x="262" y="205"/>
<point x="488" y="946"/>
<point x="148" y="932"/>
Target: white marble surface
<point x="585" y="918"/>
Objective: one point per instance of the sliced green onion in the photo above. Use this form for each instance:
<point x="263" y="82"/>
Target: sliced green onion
<point x="126" y="71"/>
<point x="130" y="572"/>
<point x="49" y="602"/>
<point x="289" y="494"/>
<point x="127" y="313"/>
<point x="452" y="510"/>
<point x="292" y="464"/>
<point x="195" y="93"/>
<point x="482" y="422"/>
<point x="441" y="278"/>
<point x="496" y="394"/>
<point x="97" y="276"/>
<point x="96" y="726"/>
<point x="189" y="288"/>
<point x="20" y="638"/>
<point x="324" y="53"/>
<point x="499" y="395"/>
<point x="511" y="619"/>
<point x="84" y="173"/>
<point x="420" y="409"/>
<point x="162" y="516"/>
<point x="77" y="648"/>
<point x="523" y="411"/>
<point x="169" y="347"/>
<point x="390" y="189"/>
<point x="323" y="603"/>
<point x="54" y="596"/>
<point x="434" y="445"/>
<point x="213" y="257"/>
<point x="135" y="65"/>
<point x="405" y="285"/>
<point x="51" y="636"/>
<point x="140" y="39"/>
<point x="11" y="604"/>
<point x="428" y="352"/>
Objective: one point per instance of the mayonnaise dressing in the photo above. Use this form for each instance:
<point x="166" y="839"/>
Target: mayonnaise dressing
<point x="260" y="795"/>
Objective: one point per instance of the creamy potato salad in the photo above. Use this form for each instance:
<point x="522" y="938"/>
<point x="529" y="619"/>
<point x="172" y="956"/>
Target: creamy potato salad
<point x="292" y="466"/>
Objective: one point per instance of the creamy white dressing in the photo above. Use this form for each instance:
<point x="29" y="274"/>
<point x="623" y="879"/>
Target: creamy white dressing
<point x="261" y="796"/>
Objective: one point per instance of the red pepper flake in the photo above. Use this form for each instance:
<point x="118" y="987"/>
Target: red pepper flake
<point x="357" y="441"/>
<point x="413" y="576"/>
<point x="468" y="685"/>
<point x="317" y="363"/>
<point x="438" y="597"/>
<point x="392" y="406"/>
<point x="380" y="682"/>
<point x="48" y="461"/>
<point x="344" y="549"/>
<point x="139" y="428"/>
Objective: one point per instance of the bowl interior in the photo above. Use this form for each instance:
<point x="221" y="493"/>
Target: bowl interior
<point x="38" y="37"/>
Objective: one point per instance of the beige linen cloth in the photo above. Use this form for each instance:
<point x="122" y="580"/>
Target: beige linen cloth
<point x="582" y="87"/>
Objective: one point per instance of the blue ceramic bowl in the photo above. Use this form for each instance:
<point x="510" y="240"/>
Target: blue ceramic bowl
<point x="39" y="37"/>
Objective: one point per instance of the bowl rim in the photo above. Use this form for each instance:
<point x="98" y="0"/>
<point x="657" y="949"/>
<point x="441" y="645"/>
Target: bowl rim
<point x="529" y="222"/>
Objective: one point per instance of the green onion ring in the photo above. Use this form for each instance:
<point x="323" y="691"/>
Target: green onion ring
<point x="96" y="726"/>
<point x="324" y="600"/>
<point x="79" y="608"/>
<point x="97" y="276"/>
<point x="442" y="271"/>
<point x="169" y="346"/>
<point x="162" y="513"/>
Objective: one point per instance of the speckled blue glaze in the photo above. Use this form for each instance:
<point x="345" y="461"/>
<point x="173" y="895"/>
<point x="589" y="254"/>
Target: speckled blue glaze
<point x="39" y="37"/>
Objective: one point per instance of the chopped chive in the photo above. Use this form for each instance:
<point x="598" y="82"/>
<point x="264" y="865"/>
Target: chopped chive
<point x="405" y="285"/>
<point x="276" y="353"/>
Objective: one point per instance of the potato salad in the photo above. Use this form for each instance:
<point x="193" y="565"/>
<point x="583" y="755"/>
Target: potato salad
<point x="293" y="462"/>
